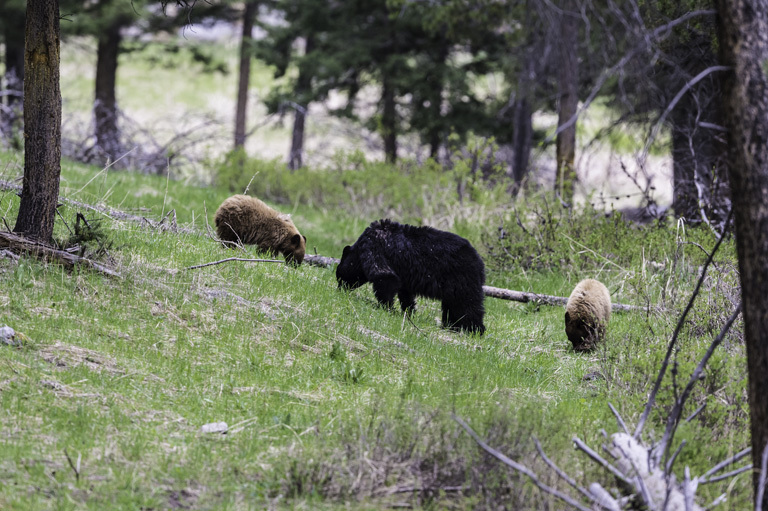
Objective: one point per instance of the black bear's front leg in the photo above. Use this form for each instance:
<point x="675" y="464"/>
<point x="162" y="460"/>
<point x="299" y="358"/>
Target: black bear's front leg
<point x="407" y="300"/>
<point x="385" y="288"/>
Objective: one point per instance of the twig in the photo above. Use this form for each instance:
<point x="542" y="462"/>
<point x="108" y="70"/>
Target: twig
<point x="678" y="328"/>
<point x="761" y="482"/>
<point x="517" y="466"/>
<point x="733" y="459"/>
<point x="695" y="413"/>
<point x="568" y="479"/>
<point x="689" y="489"/>
<point x="234" y="259"/>
<point x="600" y="460"/>
<point x="719" y="500"/>
<point x="727" y="475"/>
<point x="671" y="461"/>
<point x="622" y="425"/>
<point x="75" y="469"/>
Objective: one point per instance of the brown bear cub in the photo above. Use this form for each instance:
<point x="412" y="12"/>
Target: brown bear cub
<point x="587" y="313"/>
<point x="410" y="261"/>
<point x="247" y="220"/>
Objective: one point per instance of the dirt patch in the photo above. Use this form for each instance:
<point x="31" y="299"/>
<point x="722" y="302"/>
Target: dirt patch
<point x="65" y="355"/>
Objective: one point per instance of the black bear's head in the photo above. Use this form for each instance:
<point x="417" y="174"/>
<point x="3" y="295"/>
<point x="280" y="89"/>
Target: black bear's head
<point x="349" y="272"/>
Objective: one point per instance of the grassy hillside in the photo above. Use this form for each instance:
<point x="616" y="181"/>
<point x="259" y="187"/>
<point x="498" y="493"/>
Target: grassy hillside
<point x="330" y="401"/>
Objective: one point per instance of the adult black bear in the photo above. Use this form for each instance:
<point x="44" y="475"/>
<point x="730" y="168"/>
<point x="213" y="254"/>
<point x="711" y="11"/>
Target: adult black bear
<point x="418" y="261"/>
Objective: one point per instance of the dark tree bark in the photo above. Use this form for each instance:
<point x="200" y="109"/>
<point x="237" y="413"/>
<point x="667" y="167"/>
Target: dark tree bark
<point x="249" y="16"/>
<point x="568" y="78"/>
<point x="522" y="122"/>
<point x="42" y="121"/>
<point x="303" y="89"/>
<point x="105" y="104"/>
<point x="743" y="40"/>
<point x="437" y="83"/>
<point x="389" y="120"/>
<point x="522" y="129"/>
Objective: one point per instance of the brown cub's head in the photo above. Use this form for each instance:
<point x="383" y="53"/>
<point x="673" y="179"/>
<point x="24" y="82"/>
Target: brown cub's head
<point x="297" y="247"/>
<point x="583" y="333"/>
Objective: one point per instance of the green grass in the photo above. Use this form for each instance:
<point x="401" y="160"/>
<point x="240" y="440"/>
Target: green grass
<point x="331" y="401"/>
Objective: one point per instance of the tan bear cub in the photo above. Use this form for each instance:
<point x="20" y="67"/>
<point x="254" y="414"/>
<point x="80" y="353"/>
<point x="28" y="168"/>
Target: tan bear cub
<point x="247" y="220"/>
<point x="587" y="313"/>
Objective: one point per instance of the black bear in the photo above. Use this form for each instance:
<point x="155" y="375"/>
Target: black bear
<point x="418" y="261"/>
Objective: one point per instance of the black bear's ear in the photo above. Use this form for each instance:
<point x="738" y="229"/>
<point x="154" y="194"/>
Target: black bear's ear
<point x="345" y="251"/>
<point x="296" y="240"/>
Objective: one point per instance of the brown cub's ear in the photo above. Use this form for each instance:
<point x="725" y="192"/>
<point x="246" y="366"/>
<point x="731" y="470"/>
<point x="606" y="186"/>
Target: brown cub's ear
<point x="296" y="240"/>
<point x="567" y="317"/>
<point x="305" y="238"/>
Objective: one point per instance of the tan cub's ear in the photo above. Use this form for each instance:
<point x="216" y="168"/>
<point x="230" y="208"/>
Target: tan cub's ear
<point x="296" y="240"/>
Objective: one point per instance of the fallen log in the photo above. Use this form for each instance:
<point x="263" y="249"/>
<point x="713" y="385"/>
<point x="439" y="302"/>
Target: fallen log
<point x="20" y="245"/>
<point x="493" y="292"/>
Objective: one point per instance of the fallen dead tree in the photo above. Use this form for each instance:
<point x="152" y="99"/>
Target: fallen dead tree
<point x="493" y="292"/>
<point x="15" y="244"/>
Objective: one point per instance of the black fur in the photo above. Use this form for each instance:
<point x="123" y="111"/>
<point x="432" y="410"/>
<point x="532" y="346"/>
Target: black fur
<point x="410" y="261"/>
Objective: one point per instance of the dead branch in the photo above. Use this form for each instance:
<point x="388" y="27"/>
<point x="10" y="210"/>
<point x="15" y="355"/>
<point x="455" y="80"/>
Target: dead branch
<point x="654" y="485"/>
<point x="717" y="468"/>
<point x="568" y="479"/>
<point x="674" y="415"/>
<point x="318" y="260"/>
<point x="600" y="460"/>
<point x="763" y="478"/>
<point x="520" y="468"/>
<point x="234" y="259"/>
<point x="20" y="245"/>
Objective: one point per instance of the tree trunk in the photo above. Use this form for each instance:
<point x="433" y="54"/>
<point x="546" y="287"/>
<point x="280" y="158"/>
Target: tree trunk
<point x="568" y="77"/>
<point x="246" y="40"/>
<point x="743" y="40"/>
<point x="303" y="89"/>
<point x="105" y="104"/>
<point x="389" y="120"/>
<point x="435" y="111"/>
<point x="42" y="121"/>
<point x="522" y="141"/>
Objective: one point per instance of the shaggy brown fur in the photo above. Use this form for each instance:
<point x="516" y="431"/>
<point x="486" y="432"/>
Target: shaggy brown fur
<point x="587" y="313"/>
<point x="244" y="219"/>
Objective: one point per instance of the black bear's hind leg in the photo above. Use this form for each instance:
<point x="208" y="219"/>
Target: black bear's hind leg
<point x="385" y="289"/>
<point x="463" y="318"/>
<point x="407" y="301"/>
